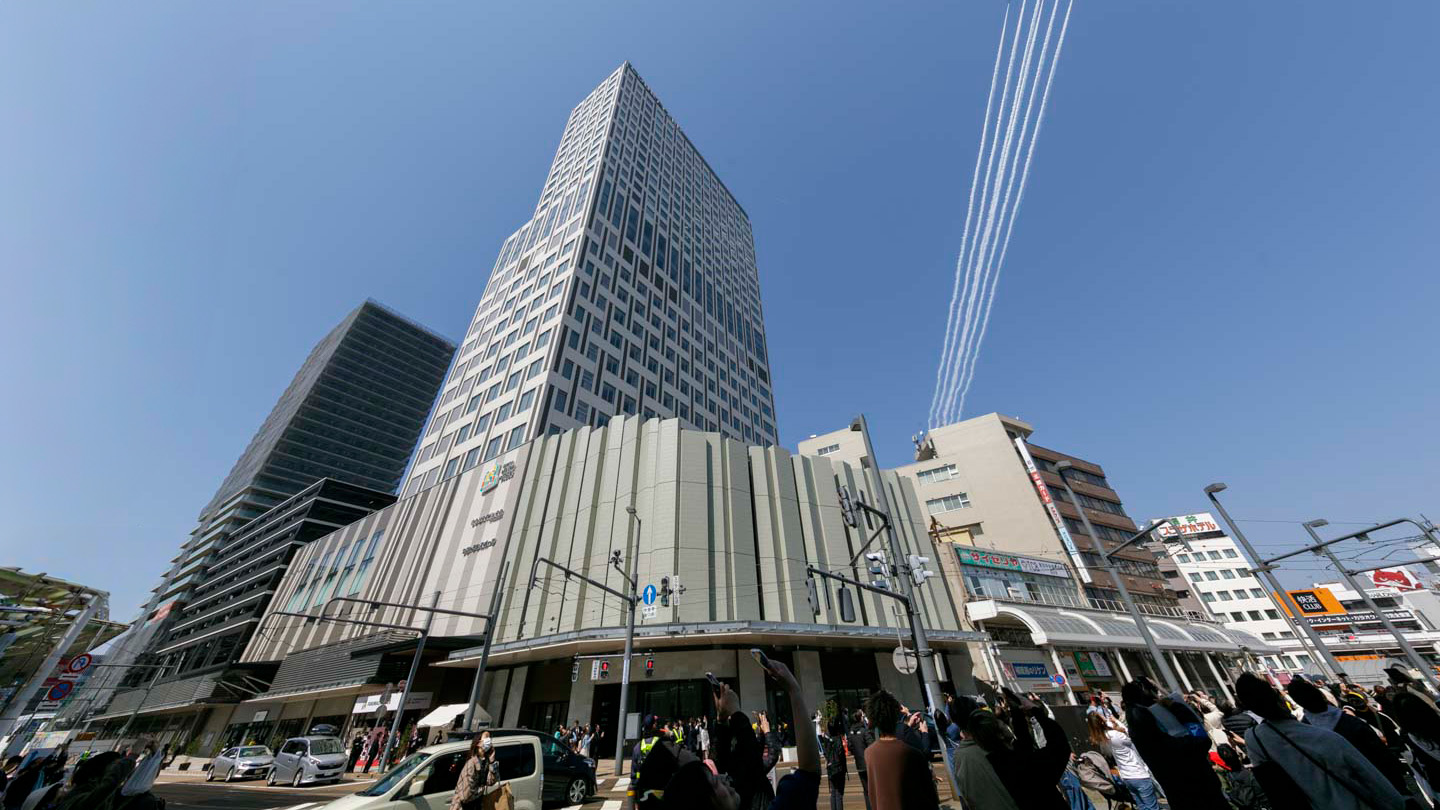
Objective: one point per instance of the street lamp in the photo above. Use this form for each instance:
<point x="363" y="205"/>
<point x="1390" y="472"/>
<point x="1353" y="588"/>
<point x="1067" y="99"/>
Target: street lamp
<point x="1291" y="612"/>
<point x="1063" y="466"/>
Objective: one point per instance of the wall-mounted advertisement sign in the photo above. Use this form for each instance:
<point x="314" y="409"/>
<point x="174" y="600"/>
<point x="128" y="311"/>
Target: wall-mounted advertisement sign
<point x="1012" y="562"/>
<point x="1316" y="602"/>
<point x="1397" y="578"/>
<point x="1055" y="519"/>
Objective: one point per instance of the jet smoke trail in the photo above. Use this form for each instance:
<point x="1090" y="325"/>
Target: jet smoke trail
<point x="1006" y="212"/>
<point x="950" y="325"/>
<point x="982" y="268"/>
<point x="1024" y="175"/>
<point x="970" y="284"/>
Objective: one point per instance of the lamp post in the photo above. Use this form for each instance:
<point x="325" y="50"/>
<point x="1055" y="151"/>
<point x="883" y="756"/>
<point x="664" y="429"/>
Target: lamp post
<point x="629" y="643"/>
<point x="1061" y="467"/>
<point x="1291" y="612"/>
<point x="1322" y="547"/>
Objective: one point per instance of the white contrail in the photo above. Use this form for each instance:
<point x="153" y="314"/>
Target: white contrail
<point x="969" y="286"/>
<point x="950" y="324"/>
<point x="982" y="269"/>
<point x="1006" y="210"/>
<point x="1024" y="176"/>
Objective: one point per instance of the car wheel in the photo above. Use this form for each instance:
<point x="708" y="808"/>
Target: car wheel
<point x="210" y="774"/>
<point x="578" y="791"/>
<point x="295" y="781"/>
<point x="230" y="777"/>
<point x="270" y="779"/>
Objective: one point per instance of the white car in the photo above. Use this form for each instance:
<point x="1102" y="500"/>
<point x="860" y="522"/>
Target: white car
<point x="425" y="780"/>
<point x="240" y="763"/>
<point x="307" y="760"/>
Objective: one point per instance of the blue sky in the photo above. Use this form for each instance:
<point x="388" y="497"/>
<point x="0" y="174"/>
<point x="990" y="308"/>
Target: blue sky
<point x="1224" y="269"/>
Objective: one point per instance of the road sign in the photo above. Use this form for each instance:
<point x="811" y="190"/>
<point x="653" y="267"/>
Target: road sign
<point x="648" y="611"/>
<point x="648" y="595"/>
<point x="1058" y="680"/>
<point x="905" y="660"/>
<point x="79" y="663"/>
<point x="59" y="691"/>
<point x="595" y="670"/>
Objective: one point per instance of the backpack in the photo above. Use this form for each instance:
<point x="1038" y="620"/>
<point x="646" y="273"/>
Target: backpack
<point x="1094" y="774"/>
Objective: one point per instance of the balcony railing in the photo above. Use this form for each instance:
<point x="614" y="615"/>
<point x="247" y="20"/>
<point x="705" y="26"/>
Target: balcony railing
<point x="1074" y="602"/>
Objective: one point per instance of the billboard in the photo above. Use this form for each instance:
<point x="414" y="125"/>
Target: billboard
<point x="1397" y="578"/>
<point x="1187" y="525"/>
<point x="1012" y="562"/>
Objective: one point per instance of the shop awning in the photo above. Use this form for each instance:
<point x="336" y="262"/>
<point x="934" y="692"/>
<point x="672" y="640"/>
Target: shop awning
<point x="445" y="715"/>
<point x="1078" y="627"/>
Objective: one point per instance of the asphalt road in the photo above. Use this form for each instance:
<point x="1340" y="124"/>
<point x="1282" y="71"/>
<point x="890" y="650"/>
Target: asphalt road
<point x="190" y="793"/>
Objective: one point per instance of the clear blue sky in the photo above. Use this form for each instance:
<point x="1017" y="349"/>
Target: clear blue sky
<point x="1225" y="267"/>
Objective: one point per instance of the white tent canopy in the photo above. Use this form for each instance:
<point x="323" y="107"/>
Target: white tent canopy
<point x="446" y="715"/>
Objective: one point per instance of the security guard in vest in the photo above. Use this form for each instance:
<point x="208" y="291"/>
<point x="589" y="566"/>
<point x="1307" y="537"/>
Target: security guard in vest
<point x="650" y="735"/>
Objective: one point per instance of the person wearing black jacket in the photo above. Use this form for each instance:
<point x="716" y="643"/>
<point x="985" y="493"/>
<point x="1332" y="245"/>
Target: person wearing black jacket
<point x="1319" y="712"/>
<point x="859" y="738"/>
<point x="1031" y="774"/>
<point x="1171" y="739"/>
<point x="833" y="745"/>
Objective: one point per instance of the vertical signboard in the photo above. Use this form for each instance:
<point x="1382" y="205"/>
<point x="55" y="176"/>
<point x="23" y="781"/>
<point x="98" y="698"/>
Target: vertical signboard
<point x="1055" y="519"/>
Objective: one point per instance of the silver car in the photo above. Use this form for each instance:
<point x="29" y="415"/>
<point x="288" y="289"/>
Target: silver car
<point x="303" y="760"/>
<point x="241" y="762"/>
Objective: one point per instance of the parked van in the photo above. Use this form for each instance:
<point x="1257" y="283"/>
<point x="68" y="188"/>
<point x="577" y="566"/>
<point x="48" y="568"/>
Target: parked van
<point x="426" y="779"/>
<point x="307" y="760"/>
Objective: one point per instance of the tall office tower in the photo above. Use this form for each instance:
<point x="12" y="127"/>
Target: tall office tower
<point x="351" y="413"/>
<point x="632" y="289"/>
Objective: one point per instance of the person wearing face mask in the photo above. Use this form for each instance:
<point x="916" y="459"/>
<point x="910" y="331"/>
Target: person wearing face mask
<point x="479" y="776"/>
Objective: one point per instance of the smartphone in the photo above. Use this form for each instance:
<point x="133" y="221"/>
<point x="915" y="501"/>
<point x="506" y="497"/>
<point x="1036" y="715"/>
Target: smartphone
<point x="761" y="659"/>
<point x="715" y="685"/>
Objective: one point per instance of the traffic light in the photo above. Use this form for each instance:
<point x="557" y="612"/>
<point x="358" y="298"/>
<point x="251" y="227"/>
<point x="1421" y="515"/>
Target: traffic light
<point x="847" y="605"/>
<point x="878" y="569"/>
<point x="665" y="592"/>
<point x="649" y="667"/>
<point x="604" y="670"/>
<point x="917" y="569"/>
<point x="812" y="597"/>
<point x="575" y="671"/>
<point x="847" y="508"/>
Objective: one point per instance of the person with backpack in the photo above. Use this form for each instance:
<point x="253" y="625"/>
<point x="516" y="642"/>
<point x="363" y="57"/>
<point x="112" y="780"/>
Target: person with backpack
<point x="1172" y="741"/>
<point x="1240" y="785"/>
<point x="1320" y="713"/>
<point x="858" y="739"/>
<point x="1293" y="758"/>
<point x="1111" y="739"/>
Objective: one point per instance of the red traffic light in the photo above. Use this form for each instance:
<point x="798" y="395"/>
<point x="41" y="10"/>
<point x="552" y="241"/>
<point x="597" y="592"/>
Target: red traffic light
<point x="649" y="667"/>
<point x="604" y="669"/>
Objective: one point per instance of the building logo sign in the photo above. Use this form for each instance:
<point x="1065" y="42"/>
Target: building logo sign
<point x="502" y="471"/>
<point x="1055" y="519"/>
<point x="1187" y="525"/>
<point x="1316" y="602"/>
<point x="488" y="517"/>
<point x="476" y="548"/>
<point x="1032" y="671"/>
<point x="1011" y="562"/>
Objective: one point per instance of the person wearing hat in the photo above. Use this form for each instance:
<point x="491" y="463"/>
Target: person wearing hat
<point x="650" y="736"/>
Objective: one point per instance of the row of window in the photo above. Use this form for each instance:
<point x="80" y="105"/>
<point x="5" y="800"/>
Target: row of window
<point x="1238" y="593"/>
<point x="938" y="474"/>
<point x="948" y="503"/>
<point x="1200" y="556"/>
<point x="1215" y="575"/>
<point x="340" y="571"/>
<point x="1248" y="615"/>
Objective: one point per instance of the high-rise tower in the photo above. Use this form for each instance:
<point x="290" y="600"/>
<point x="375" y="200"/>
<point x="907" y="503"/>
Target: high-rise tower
<point x="631" y="290"/>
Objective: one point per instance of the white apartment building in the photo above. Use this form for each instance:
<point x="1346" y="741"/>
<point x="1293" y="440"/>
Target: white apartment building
<point x="632" y="290"/>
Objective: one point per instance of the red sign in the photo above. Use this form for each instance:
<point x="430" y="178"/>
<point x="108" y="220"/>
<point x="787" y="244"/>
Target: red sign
<point x="1395" y="578"/>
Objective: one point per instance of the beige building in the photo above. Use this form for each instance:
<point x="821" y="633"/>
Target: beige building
<point x="720" y="539"/>
<point x="1014" y="550"/>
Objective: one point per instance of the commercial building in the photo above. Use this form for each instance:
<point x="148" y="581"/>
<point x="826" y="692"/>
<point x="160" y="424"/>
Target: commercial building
<point x="1204" y="565"/>
<point x="1353" y="633"/>
<point x="718" y="547"/>
<point x="1020" y="559"/>
<point x="351" y="414"/>
<point x="632" y="290"/>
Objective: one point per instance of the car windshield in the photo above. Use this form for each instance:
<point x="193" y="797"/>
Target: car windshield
<point x="254" y="751"/>
<point x="326" y="746"/>
<point x="396" y="775"/>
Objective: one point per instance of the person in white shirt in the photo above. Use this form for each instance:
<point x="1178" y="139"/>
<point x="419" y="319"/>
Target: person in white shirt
<point x="1110" y="736"/>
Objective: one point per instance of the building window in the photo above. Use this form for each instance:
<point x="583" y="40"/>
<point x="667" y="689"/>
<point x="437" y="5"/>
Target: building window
<point x="1272" y="614"/>
<point x="1211" y="575"/>
<point x="949" y="503"/>
<point x="944" y="473"/>
<point x="1230" y="552"/>
<point x="365" y="561"/>
<point x="517" y="438"/>
<point x="827" y="449"/>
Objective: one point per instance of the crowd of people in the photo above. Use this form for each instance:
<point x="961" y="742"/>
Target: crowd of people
<point x="114" y="780"/>
<point x="580" y="740"/>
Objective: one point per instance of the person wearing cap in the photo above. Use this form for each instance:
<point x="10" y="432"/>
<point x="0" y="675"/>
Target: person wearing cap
<point x="650" y="736"/>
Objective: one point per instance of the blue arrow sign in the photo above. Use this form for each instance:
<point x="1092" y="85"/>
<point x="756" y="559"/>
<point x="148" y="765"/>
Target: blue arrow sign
<point x="648" y="595"/>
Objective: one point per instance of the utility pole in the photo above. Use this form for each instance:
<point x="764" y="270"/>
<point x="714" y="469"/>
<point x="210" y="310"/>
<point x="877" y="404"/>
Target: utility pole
<point x="1292" y="613"/>
<point x="1062" y="467"/>
<point x="923" y="653"/>
<point x="1323" y="547"/>
<point x="473" y="722"/>
<point x="631" y="600"/>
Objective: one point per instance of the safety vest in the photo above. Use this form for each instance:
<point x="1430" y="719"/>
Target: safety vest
<point x="645" y="746"/>
<point x="679" y="735"/>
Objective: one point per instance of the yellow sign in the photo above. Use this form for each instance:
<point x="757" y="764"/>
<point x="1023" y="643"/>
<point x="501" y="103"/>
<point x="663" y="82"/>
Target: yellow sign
<point x="1359" y="657"/>
<point x="1316" y="602"/>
